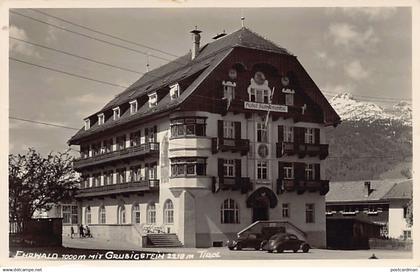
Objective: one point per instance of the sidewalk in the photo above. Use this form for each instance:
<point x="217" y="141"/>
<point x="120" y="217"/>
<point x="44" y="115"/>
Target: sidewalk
<point x="226" y="254"/>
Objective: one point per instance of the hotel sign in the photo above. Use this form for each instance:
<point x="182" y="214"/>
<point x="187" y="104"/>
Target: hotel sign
<point x="265" y="107"/>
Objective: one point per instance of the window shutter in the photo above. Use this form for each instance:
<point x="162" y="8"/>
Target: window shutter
<point x="279" y="188"/>
<point x="317" y="171"/>
<point x="317" y="136"/>
<point x="220" y="167"/>
<point x="220" y="128"/>
<point x="299" y="171"/>
<point x="280" y="135"/>
<point x="146" y="135"/>
<point x="281" y="170"/>
<point x="146" y="171"/>
<point x="238" y="168"/>
<point x="237" y="130"/>
<point x="155" y="134"/>
<point x="296" y="134"/>
<point x="282" y="98"/>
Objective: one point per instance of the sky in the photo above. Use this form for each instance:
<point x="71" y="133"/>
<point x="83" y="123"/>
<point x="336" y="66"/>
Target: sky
<point x="362" y="51"/>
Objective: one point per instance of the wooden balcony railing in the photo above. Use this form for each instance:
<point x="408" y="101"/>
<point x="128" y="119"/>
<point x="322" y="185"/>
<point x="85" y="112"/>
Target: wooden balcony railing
<point x="235" y="183"/>
<point x="134" y="151"/>
<point x="227" y="144"/>
<point x="300" y="186"/>
<point x="302" y="150"/>
<point x="119" y="188"/>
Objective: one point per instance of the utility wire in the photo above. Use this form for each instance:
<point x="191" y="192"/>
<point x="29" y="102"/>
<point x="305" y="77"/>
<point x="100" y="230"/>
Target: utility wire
<point x="103" y="33"/>
<point x="67" y="73"/>
<point x="93" y="38"/>
<point x="42" y="123"/>
<point x="76" y="56"/>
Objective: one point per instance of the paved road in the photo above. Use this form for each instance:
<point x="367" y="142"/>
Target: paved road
<point x="225" y="254"/>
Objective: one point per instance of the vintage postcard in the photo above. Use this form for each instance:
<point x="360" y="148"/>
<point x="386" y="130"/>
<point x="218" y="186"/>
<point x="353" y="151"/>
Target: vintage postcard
<point x="194" y="131"/>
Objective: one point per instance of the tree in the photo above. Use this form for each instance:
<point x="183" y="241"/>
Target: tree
<point x="409" y="215"/>
<point x="36" y="183"/>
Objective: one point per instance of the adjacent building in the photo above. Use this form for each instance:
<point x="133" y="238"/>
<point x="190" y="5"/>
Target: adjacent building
<point x="200" y="148"/>
<point x="382" y="202"/>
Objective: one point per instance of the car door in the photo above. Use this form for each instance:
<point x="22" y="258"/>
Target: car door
<point x="293" y="242"/>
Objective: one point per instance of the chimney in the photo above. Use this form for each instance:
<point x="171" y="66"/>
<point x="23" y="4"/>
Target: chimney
<point x="367" y="189"/>
<point x="196" y="42"/>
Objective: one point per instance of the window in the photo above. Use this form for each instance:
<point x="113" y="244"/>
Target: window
<point x="229" y="90"/>
<point x="188" y="127"/>
<point x="229" y="212"/>
<point x="150" y="134"/>
<point x="310" y="213"/>
<point x="102" y="215"/>
<point x="108" y="177"/>
<point x="288" y="171"/>
<point x="259" y="95"/>
<point x="135" y="173"/>
<point x="174" y="91"/>
<point x="228" y="129"/>
<point x="101" y="118"/>
<point x="407" y="234"/>
<point x="116" y="113"/>
<point x="153" y="100"/>
<point x="168" y="212"/>
<point x="189" y="166"/>
<point x="310" y="171"/>
<point x="69" y="214"/>
<point x="133" y="107"/>
<point x="108" y="145"/>
<point x="262" y="133"/>
<point x="262" y="170"/>
<point x="87" y="124"/>
<point x="153" y="171"/>
<point x="229" y="168"/>
<point x="121" y="214"/>
<point x="96" y="149"/>
<point x="135" y="138"/>
<point x="288" y="134"/>
<point x="136" y="214"/>
<point x="309" y="135"/>
<point x="151" y="213"/>
<point x="96" y="180"/>
<point x="285" y="210"/>
<point x="121" y="175"/>
<point x="289" y="99"/>
<point x="121" y="142"/>
<point x="88" y="216"/>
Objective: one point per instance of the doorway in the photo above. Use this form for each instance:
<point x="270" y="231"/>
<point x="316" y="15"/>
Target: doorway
<point x="260" y="213"/>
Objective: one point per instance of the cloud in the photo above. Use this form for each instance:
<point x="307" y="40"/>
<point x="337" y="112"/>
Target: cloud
<point x="356" y="71"/>
<point x="371" y="13"/>
<point x="348" y="36"/>
<point x="321" y="55"/>
<point x="18" y="46"/>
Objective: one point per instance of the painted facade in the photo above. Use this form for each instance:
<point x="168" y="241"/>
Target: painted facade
<point x="206" y="145"/>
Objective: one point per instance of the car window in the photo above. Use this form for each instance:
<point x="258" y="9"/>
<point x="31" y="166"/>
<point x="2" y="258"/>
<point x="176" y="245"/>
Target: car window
<point x="293" y="237"/>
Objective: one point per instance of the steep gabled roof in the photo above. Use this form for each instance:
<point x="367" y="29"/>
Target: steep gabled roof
<point x="402" y="190"/>
<point x="183" y="67"/>
<point x="354" y="191"/>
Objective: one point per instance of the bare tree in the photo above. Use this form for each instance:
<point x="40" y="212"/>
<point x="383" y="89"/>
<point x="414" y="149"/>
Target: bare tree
<point x="36" y="183"/>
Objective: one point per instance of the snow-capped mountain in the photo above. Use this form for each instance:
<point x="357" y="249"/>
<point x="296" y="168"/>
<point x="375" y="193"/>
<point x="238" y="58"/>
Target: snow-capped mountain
<point x="352" y="109"/>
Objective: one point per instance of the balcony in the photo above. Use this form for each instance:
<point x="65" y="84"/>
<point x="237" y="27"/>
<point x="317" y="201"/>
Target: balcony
<point x="235" y="183"/>
<point x="119" y="188"/>
<point x="300" y="186"/>
<point x="226" y="144"/>
<point x="301" y="149"/>
<point x="131" y="152"/>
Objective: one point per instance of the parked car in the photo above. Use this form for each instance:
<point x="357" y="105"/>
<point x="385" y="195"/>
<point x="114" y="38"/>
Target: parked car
<point x="284" y="241"/>
<point x="255" y="240"/>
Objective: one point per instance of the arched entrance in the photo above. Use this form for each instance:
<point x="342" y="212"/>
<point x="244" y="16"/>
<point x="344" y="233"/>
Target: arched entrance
<point x="260" y="201"/>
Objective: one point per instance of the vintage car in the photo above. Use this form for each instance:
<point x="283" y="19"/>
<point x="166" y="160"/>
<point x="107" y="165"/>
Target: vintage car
<point x="284" y="241"/>
<point x="256" y="235"/>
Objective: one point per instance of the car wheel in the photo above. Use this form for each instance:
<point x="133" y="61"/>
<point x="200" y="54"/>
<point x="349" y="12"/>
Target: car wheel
<point x="231" y="248"/>
<point x="257" y="248"/>
<point x="270" y="251"/>
<point x="238" y="247"/>
<point x="305" y="248"/>
<point x="295" y="250"/>
<point x="280" y="250"/>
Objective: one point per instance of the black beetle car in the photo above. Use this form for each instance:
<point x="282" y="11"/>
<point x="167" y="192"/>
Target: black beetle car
<point x="255" y="239"/>
<point x="283" y="241"/>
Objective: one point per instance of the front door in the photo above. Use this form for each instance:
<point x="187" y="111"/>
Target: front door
<point x="259" y="213"/>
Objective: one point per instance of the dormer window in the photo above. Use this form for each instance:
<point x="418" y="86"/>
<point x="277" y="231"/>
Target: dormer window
<point x="133" y="107"/>
<point x="258" y="91"/>
<point x="116" y="113"/>
<point x="174" y="91"/>
<point x="101" y="119"/>
<point x="153" y="100"/>
<point x="289" y="96"/>
<point x="228" y="90"/>
<point x="87" y="124"/>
